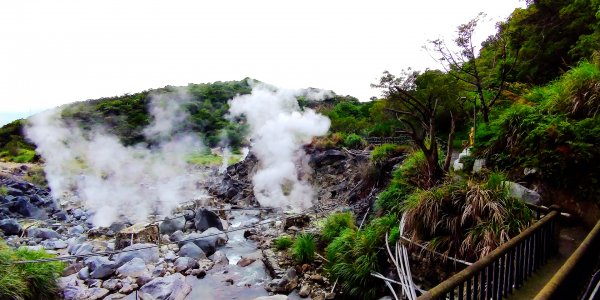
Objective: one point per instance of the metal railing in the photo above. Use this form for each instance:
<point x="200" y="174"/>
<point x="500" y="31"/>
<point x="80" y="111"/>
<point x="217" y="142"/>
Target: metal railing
<point x="504" y="269"/>
<point x="387" y="140"/>
<point x="569" y="280"/>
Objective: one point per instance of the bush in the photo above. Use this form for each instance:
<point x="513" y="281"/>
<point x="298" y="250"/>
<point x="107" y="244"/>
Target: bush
<point x="335" y="224"/>
<point x="354" y="141"/>
<point x="303" y="248"/>
<point x="384" y="152"/>
<point x="27" y="281"/>
<point x="282" y="243"/>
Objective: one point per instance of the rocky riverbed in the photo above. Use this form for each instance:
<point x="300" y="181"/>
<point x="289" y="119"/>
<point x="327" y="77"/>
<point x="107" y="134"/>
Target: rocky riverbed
<point x="199" y="253"/>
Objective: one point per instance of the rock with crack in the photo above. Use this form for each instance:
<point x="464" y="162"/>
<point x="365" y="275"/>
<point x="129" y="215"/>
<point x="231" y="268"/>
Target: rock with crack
<point x="172" y="287"/>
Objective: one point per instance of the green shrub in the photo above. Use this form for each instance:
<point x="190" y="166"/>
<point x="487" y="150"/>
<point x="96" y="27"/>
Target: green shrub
<point x="282" y="243"/>
<point x="303" y="249"/>
<point x="3" y="190"/>
<point x="335" y="224"/>
<point x="27" y="281"/>
<point x="384" y="152"/>
<point x="354" y="141"/>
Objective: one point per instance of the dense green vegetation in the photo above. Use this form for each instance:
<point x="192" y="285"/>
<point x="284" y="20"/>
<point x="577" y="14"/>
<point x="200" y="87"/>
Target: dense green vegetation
<point x="27" y="281"/>
<point x="13" y="146"/>
<point x="304" y="247"/>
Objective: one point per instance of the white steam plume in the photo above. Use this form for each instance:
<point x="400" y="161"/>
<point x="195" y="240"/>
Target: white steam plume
<point x="113" y="180"/>
<point x="278" y="129"/>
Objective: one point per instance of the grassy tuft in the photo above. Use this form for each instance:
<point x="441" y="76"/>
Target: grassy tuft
<point x="282" y="243"/>
<point x="303" y="248"/>
<point x="335" y="224"/>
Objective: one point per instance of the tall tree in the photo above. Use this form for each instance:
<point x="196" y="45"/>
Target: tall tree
<point x="417" y="101"/>
<point x="486" y="77"/>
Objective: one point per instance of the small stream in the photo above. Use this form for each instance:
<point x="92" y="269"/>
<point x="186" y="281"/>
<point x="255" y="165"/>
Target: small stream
<point x="248" y="282"/>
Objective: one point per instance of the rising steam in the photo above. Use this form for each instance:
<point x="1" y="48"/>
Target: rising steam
<point x="113" y="180"/>
<point x="279" y="128"/>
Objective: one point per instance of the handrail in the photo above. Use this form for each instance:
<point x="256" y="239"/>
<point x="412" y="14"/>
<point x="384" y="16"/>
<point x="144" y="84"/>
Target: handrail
<point x="503" y="269"/>
<point x="559" y="284"/>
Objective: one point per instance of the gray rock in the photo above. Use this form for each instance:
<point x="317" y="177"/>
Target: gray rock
<point x="191" y="250"/>
<point x="304" y="291"/>
<point x="10" y="227"/>
<point x="172" y="225"/>
<point x="274" y="297"/>
<point x="83" y="249"/>
<point x="177" y="236"/>
<point x="42" y="233"/>
<point x="147" y="252"/>
<point x="184" y="263"/>
<point x="97" y="293"/>
<point x="171" y="256"/>
<point x="520" y="192"/>
<point x="112" y="284"/>
<point x="73" y="268"/>
<point x="24" y="207"/>
<point x="54" y="244"/>
<point x="206" y="219"/>
<point x="189" y="214"/>
<point x="219" y="258"/>
<point x="84" y="273"/>
<point x="76" y="230"/>
<point x="172" y="287"/>
<point x="133" y="268"/>
<point x="100" y="267"/>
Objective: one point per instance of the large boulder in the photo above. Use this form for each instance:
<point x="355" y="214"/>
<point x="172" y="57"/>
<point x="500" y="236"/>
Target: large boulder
<point x="206" y="219"/>
<point x="520" y="192"/>
<point x="326" y="157"/>
<point x="191" y="250"/>
<point x="10" y="227"/>
<point x="147" y="252"/>
<point x="208" y="240"/>
<point x="172" y="287"/>
<point x="42" y="233"/>
<point x="133" y="268"/>
<point x="100" y="267"/>
<point x="23" y="207"/>
<point x="171" y="225"/>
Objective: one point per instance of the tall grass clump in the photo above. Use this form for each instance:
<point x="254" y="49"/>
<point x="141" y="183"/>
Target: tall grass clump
<point x="384" y="152"/>
<point x="304" y="247"/>
<point x="354" y="254"/>
<point x="354" y="141"/>
<point x="335" y="224"/>
<point x="27" y="281"/>
<point x="283" y="243"/>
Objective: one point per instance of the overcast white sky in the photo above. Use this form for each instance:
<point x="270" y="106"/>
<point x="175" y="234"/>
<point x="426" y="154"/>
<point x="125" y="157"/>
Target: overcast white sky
<point x="55" y="52"/>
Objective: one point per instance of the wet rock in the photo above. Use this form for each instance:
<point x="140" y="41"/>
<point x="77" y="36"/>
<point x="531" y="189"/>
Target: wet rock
<point x="219" y="258"/>
<point x="206" y="219"/>
<point x="42" y="233"/>
<point x="100" y="267"/>
<point x="147" y="252"/>
<point x="172" y="287"/>
<point x="172" y="225"/>
<point x="134" y="268"/>
<point x="208" y="240"/>
<point x="191" y="250"/>
<point x="244" y="261"/>
<point x="184" y="263"/>
<point x="10" y="227"/>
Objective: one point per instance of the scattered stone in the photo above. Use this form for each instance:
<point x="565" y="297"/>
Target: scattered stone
<point x="171" y="256"/>
<point x="147" y="252"/>
<point x="299" y="221"/>
<point x="72" y="269"/>
<point x="10" y="227"/>
<point x="112" y="284"/>
<point x="54" y="244"/>
<point x="172" y="225"/>
<point x="133" y="268"/>
<point x="198" y="273"/>
<point x="219" y="258"/>
<point x="84" y="273"/>
<point x="177" y="236"/>
<point x="23" y="207"/>
<point x="184" y="263"/>
<point x="243" y="262"/>
<point x="76" y="230"/>
<point x="100" y="267"/>
<point x="97" y="293"/>
<point x="207" y="240"/>
<point x="274" y="297"/>
<point x="192" y="250"/>
<point x="304" y="291"/>
<point x="42" y="233"/>
<point x="206" y="219"/>
<point x="172" y="287"/>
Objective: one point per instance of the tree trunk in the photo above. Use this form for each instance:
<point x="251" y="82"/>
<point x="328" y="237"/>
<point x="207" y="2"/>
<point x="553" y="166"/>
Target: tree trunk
<point x="449" y="147"/>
